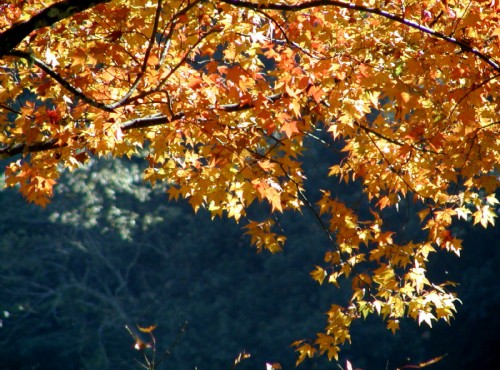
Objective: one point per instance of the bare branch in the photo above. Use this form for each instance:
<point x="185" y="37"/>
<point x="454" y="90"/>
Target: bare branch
<point x="19" y="148"/>
<point x="11" y="38"/>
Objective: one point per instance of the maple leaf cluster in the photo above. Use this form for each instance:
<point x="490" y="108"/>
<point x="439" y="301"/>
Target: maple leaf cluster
<point x="221" y="96"/>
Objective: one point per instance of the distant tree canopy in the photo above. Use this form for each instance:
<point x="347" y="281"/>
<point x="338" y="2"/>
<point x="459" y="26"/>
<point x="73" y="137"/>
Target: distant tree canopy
<point x="220" y="96"/>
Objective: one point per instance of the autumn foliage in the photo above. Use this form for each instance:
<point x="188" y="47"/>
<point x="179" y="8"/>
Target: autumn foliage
<point x="219" y="97"/>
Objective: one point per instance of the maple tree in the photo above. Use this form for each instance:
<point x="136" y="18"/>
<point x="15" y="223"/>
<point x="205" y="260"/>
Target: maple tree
<point x="219" y="96"/>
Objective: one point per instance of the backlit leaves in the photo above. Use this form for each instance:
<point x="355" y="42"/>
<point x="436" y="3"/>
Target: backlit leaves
<point x="223" y="97"/>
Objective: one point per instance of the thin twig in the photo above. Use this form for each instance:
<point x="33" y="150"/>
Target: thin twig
<point x="383" y="13"/>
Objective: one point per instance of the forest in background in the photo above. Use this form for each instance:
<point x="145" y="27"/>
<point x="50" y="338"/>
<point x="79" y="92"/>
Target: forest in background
<point x="111" y="251"/>
<point x="221" y="100"/>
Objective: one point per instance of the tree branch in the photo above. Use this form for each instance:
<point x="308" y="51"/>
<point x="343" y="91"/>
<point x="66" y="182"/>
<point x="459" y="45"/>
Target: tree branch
<point x="396" y="18"/>
<point x="136" y="123"/>
<point x="19" y="148"/>
<point x="145" y="62"/>
<point x="56" y="76"/>
<point x="11" y="38"/>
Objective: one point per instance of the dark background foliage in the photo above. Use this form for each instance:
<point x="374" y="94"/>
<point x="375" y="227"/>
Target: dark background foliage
<point x="111" y="251"/>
